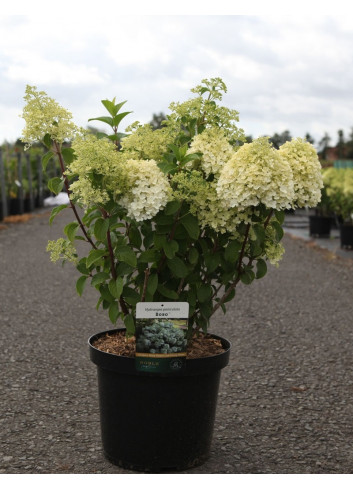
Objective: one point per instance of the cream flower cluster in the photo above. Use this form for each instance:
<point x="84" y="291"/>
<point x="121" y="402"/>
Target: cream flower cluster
<point x="146" y="143"/>
<point x="43" y="115"/>
<point x="99" y="157"/>
<point x="205" y="203"/>
<point x="256" y="174"/>
<point x="215" y="149"/>
<point x="306" y="170"/>
<point x="149" y="189"/>
<point x="62" y="249"/>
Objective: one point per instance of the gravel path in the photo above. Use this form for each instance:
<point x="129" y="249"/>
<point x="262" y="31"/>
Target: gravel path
<point x="285" y="402"/>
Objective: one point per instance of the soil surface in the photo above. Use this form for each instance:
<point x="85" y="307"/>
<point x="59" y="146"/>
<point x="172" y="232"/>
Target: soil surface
<point x="285" y="399"/>
<point x="118" y="344"/>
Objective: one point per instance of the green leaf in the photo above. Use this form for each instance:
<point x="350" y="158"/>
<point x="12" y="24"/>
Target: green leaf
<point x="119" y="117"/>
<point x="94" y="256"/>
<point x="56" y="211"/>
<point x="261" y="268"/>
<point x="231" y="253"/>
<point x="135" y="237"/>
<point x="106" y="295"/>
<point x="170" y="294"/>
<point x="46" y="158"/>
<point x="47" y="141"/>
<point x="105" y="119"/>
<point x="68" y="155"/>
<point x="159" y="240"/>
<point x="99" y="278"/>
<point x="177" y="267"/>
<point x="260" y="233"/>
<point x="175" y="150"/>
<point x="82" y="268"/>
<point x="191" y="157"/>
<point x="148" y="256"/>
<point x="131" y="296"/>
<point x="116" y="287"/>
<point x="56" y="185"/>
<point x="193" y="256"/>
<point x="230" y="296"/>
<point x="80" y="284"/>
<point x="70" y="230"/>
<point x="278" y="229"/>
<point x="119" y="105"/>
<point x="124" y="269"/>
<point x="129" y="324"/>
<point x="170" y="248"/>
<point x="204" y="293"/>
<point x="280" y="215"/>
<point x="152" y="283"/>
<point x="167" y="167"/>
<point x="206" y="309"/>
<point x="100" y="229"/>
<point x="113" y="312"/>
<point x="125" y="254"/>
<point x="212" y="262"/>
<point x="191" y="224"/>
<point x="110" y="106"/>
<point x="247" y="277"/>
<point x="172" y="207"/>
<point x="100" y="300"/>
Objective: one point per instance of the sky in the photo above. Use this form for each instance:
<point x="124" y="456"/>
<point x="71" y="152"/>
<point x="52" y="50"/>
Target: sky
<point x="283" y="70"/>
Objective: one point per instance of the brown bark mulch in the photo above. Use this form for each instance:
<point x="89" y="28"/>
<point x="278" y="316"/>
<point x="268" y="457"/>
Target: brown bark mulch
<point x="118" y="344"/>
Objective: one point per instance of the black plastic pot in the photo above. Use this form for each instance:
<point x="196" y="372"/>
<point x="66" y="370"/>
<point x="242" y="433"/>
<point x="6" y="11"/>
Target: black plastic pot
<point x="156" y="422"/>
<point x="319" y="226"/>
<point x="16" y="207"/>
<point x="346" y="236"/>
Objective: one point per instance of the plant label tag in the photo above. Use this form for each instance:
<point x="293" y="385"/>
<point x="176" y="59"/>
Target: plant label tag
<point x="161" y="336"/>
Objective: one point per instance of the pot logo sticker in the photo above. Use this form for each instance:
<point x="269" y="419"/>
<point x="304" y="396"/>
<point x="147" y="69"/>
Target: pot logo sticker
<point x="161" y="336"/>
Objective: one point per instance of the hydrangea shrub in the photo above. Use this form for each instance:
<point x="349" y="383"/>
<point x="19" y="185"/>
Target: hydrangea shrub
<point x="181" y="213"/>
<point x="338" y="185"/>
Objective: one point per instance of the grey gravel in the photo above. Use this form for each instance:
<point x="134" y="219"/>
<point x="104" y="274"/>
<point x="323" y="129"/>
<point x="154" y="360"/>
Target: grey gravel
<point x="285" y="401"/>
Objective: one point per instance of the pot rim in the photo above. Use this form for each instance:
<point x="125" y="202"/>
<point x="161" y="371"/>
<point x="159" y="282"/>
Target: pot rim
<point x="124" y="364"/>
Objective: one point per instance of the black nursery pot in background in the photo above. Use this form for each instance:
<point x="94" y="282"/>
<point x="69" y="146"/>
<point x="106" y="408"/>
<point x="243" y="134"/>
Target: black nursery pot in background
<point x="320" y="226"/>
<point x="157" y="422"/>
<point x="346" y="236"/>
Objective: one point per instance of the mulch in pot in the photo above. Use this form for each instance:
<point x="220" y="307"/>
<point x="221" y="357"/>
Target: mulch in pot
<point x="117" y="344"/>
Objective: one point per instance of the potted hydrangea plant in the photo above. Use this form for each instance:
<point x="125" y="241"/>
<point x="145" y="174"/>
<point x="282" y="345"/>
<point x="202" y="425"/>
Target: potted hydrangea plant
<point x="320" y="222"/>
<point x="184" y="213"/>
<point x="338" y="184"/>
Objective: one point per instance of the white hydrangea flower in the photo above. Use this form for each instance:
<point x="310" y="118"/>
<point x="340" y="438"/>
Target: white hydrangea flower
<point x="149" y="189"/>
<point x="306" y="169"/>
<point x="215" y="149"/>
<point x="256" y="174"/>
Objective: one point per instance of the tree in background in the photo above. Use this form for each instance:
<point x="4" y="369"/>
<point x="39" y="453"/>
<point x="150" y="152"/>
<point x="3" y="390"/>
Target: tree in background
<point x="340" y="144"/>
<point x="323" y="145"/>
<point x="157" y="120"/>
<point x="349" y="144"/>
<point x="309" y="138"/>
<point x="278" y="139"/>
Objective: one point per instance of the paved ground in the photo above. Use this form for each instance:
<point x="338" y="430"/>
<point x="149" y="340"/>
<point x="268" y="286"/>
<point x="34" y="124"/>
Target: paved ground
<point x="285" y="402"/>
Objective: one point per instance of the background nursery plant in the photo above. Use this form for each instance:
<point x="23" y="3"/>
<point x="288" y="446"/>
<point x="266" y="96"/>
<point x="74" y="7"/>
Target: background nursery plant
<point x="181" y="213"/>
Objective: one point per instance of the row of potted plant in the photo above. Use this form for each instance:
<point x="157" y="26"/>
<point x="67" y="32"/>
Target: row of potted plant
<point x="336" y="206"/>
<point x="24" y="184"/>
<point x="183" y="214"/>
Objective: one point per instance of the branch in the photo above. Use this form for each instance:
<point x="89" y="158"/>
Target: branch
<point x="147" y="274"/>
<point x="170" y="237"/>
<point x="122" y="303"/>
<point x="67" y="186"/>
<point x="234" y="284"/>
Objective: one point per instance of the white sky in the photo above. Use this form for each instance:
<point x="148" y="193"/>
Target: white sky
<point x="283" y="69"/>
